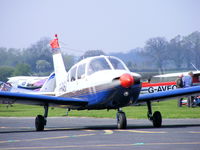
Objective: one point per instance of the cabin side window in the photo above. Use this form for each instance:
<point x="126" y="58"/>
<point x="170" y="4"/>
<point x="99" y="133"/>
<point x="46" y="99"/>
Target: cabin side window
<point x="73" y="74"/>
<point x="81" y="71"/>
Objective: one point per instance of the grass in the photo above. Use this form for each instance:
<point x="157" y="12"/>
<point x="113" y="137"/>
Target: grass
<point x="168" y="109"/>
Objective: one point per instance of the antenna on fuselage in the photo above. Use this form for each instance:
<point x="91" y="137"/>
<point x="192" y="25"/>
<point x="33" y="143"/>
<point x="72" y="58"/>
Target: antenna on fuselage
<point x="59" y="67"/>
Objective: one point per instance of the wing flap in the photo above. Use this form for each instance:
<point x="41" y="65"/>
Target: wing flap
<point x="11" y="97"/>
<point x="159" y="96"/>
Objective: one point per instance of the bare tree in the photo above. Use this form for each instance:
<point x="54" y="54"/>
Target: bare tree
<point x="156" y="49"/>
<point x="176" y="51"/>
<point x="191" y="44"/>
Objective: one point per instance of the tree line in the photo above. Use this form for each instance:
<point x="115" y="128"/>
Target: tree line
<point x="158" y="54"/>
<point x="35" y="60"/>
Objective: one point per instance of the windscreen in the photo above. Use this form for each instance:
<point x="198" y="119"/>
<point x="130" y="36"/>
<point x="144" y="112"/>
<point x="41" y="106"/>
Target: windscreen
<point x="98" y="64"/>
<point x="116" y="64"/>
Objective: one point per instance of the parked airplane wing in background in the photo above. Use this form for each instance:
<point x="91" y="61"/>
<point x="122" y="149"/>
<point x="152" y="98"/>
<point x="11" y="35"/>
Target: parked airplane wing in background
<point x="175" y="74"/>
<point x="159" y="96"/>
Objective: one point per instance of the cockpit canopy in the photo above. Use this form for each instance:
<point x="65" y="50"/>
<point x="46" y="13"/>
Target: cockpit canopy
<point x="92" y="65"/>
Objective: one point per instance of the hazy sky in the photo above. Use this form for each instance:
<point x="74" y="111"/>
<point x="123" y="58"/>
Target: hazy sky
<point x="109" y="25"/>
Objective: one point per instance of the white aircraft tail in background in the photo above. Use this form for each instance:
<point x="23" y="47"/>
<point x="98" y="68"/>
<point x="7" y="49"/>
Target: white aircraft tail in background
<point x="50" y="84"/>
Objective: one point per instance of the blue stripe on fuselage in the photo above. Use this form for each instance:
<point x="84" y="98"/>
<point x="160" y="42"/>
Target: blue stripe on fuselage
<point x="109" y="97"/>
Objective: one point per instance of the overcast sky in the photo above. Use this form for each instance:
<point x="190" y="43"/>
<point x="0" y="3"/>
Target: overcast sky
<point x="109" y="25"/>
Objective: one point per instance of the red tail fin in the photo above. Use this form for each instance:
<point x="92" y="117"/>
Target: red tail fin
<point x="54" y="43"/>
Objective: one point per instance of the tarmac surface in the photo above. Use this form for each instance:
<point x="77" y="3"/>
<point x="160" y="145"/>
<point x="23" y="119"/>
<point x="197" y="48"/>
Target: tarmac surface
<point x="90" y="133"/>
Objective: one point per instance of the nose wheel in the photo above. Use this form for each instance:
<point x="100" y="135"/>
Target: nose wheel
<point x="121" y="120"/>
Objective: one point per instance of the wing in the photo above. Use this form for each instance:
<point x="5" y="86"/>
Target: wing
<point x="175" y="74"/>
<point x="33" y="99"/>
<point x="159" y="96"/>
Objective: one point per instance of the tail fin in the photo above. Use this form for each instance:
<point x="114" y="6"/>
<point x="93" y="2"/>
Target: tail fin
<point x="59" y="67"/>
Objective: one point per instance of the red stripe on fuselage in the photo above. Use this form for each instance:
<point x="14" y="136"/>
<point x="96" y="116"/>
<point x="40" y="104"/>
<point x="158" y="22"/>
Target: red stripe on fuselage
<point x="146" y="84"/>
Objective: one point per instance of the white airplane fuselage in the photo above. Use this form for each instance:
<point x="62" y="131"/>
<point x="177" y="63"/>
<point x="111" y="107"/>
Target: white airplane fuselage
<point x="97" y="80"/>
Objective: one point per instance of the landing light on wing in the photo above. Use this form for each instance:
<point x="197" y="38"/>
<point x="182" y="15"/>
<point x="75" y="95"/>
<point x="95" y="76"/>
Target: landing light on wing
<point x="126" y="80"/>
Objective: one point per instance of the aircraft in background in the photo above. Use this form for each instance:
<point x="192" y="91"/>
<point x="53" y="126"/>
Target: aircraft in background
<point x="195" y="78"/>
<point x="95" y="83"/>
<point x="166" y="82"/>
<point x="27" y="82"/>
<point x="157" y="87"/>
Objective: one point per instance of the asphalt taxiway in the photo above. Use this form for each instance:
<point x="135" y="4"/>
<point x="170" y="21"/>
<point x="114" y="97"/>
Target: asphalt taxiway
<point x="92" y="133"/>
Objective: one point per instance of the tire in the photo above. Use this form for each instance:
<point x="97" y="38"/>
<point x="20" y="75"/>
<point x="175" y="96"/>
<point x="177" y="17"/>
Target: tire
<point x="157" y="119"/>
<point x="121" y="120"/>
<point x="39" y="123"/>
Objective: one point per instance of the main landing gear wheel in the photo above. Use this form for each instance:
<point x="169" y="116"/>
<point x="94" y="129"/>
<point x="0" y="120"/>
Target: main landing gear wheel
<point x="157" y="119"/>
<point x="40" y="123"/>
<point x="121" y="120"/>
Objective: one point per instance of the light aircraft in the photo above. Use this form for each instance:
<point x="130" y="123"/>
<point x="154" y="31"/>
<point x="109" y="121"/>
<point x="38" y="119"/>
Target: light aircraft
<point x="167" y="82"/>
<point x="26" y="82"/>
<point x="195" y="78"/>
<point x="100" y="82"/>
